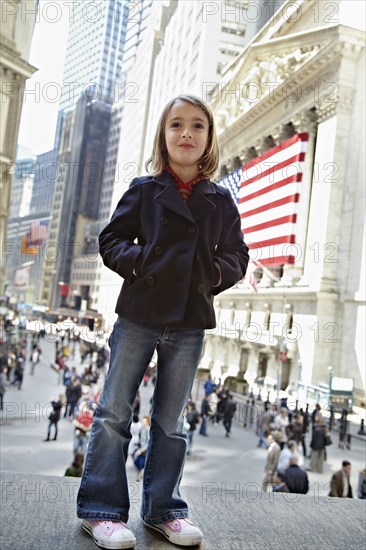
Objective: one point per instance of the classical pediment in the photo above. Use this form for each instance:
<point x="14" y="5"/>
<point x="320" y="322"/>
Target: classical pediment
<point x="282" y="68"/>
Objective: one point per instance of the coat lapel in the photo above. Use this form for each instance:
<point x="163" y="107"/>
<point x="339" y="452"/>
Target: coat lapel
<point x="169" y="196"/>
<point x="198" y="205"/>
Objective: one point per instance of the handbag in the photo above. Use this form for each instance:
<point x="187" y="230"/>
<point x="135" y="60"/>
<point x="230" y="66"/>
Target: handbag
<point x="327" y="440"/>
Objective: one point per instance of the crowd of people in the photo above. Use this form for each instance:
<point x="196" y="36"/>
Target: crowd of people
<point x="289" y="436"/>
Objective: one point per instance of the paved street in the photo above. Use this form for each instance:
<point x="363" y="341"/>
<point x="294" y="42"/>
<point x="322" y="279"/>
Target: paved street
<point x="217" y="463"/>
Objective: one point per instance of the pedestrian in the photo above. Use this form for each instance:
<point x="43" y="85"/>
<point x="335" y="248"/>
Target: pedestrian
<point x="139" y="456"/>
<point x="263" y="426"/>
<point x="205" y="414"/>
<point x="193" y="420"/>
<point x="209" y="386"/>
<point x="3" y="386"/>
<point x="222" y="395"/>
<point x="214" y="399"/>
<point x="82" y="424"/>
<point x="270" y="468"/>
<point x="35" y="357"/>
<point x="340" y="485"/>
<point x="317" y="445"/>
<point x="315" y="413"/>
<point x="19" y="371"/>
<point x="229" y="413"/>
<point x="288" y="452"/>
<point x="279" y="484"/>
<point x="176" y="240"/>
<point x="54" y="418"/>
<point x="136" y="427"/>
<point x="73" y="395"/>
<point x="281" y="423"/>
<point x="76" y="468"/>
<point x="361" y="486"/>
<point x="296" y="478"/>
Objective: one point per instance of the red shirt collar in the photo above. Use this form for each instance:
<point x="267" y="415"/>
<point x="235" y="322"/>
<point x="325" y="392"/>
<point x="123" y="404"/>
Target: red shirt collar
<point x="181" y="183"/>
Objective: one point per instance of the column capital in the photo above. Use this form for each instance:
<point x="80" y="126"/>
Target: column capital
<point x="282" y="132"/>
<point x="326" y="108"/>
<point x="305" y="121"/>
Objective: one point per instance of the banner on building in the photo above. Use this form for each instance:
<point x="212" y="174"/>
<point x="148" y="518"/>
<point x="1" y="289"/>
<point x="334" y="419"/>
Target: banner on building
<point x="267" y="191"/>
<point x="38" y="232"/>
<point x="27" y="247"/>
<point x="22" y="277"/>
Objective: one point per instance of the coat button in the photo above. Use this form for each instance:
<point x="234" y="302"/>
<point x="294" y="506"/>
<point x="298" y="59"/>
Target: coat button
<point x="150" y="280"/>
<point x="201" y="289"/>
<point x="164" y="220"/>
<point x="191" y="229"/>
<point x="158" y="250"/>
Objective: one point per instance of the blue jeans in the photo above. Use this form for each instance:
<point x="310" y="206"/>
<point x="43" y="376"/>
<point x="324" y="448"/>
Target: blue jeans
<point x="103" y="492"/>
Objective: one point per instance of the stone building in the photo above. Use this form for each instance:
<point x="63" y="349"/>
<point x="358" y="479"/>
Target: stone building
<point x="304" y="72"/>
<point x="17" y="25"/>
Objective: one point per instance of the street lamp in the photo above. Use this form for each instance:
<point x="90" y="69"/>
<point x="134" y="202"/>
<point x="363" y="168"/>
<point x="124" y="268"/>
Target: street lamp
<point x="330" y="378"/>
<point x="299" y="375"/>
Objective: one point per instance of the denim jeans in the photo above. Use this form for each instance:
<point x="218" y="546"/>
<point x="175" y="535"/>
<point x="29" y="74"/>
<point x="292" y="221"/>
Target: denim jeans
<point x="103" y="492"/>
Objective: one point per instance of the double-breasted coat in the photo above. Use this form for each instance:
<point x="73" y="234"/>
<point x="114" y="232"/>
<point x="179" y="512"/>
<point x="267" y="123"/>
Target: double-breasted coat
<point x="165" y="251"/>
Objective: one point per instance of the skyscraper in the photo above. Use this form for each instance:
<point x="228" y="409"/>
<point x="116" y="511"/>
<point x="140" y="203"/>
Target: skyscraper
<point x="94" y="50"/>
<point x="92" y="82"/>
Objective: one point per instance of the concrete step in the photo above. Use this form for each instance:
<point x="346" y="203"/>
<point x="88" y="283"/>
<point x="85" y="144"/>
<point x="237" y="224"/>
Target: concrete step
<point x="38" y="513"/>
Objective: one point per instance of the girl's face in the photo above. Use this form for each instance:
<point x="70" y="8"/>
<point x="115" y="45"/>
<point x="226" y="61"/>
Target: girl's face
<point x="186" y="134"/>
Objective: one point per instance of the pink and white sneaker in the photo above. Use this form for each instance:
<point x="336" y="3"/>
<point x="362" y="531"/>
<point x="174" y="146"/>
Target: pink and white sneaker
<point x="109" y="534"/>
<point x="179" y="531"/>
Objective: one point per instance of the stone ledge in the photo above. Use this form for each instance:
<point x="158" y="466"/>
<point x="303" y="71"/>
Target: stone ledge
<point x="38" y="513"/>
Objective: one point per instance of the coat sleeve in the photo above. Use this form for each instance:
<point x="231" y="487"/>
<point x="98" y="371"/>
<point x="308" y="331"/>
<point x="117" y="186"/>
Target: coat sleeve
<point x="231" y="254"/>
<point x="116" y="242"/>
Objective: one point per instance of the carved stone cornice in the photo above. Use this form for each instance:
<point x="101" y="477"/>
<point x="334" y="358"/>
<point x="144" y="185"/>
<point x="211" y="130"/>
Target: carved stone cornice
<point x="12" y="60"/>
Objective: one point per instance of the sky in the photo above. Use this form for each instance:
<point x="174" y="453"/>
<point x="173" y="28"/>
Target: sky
<point x="40" y="103"/>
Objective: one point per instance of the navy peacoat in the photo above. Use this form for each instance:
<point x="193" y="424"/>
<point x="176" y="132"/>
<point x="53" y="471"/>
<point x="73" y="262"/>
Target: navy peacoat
<point x="165" y="250"/>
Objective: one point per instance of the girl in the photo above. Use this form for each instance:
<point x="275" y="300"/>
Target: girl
<point x="176" y="240"/>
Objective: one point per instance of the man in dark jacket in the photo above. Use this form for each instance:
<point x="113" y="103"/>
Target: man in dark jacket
<point x="54" y="417"/>
<point x="229" y="412"/>
<point x="205" y="411"/>
<point x="340" y="485"/>
<point x="296" y="479"/>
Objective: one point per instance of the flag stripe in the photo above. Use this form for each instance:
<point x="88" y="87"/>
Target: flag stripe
<point x="278" y="149"/>
<point x="277" y="260"/>
<point x="275" y="167"/>
<point x="276" y="240"/>
<point x="267" y="192"/>
<point x="296" y="178"/>
<point x="272" y="196"/>
<point x="274" y="204"/>
<point x="273" y="223"/>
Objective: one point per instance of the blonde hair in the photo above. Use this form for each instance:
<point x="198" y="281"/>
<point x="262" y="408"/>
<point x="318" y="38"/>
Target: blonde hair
<point x="208" y="163"/>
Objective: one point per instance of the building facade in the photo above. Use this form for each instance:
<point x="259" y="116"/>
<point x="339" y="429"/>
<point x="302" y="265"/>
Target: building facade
<point x="94" y="50"/>
<point x="17" y="25"/>
<point x="303" y="73"/>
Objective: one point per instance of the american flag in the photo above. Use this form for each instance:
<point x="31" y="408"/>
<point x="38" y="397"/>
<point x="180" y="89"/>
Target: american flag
<point x="267" y="191"/>
<point x="38" y="232"/>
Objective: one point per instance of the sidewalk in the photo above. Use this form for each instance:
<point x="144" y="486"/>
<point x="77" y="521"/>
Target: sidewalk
<point x="220" y="461"/>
